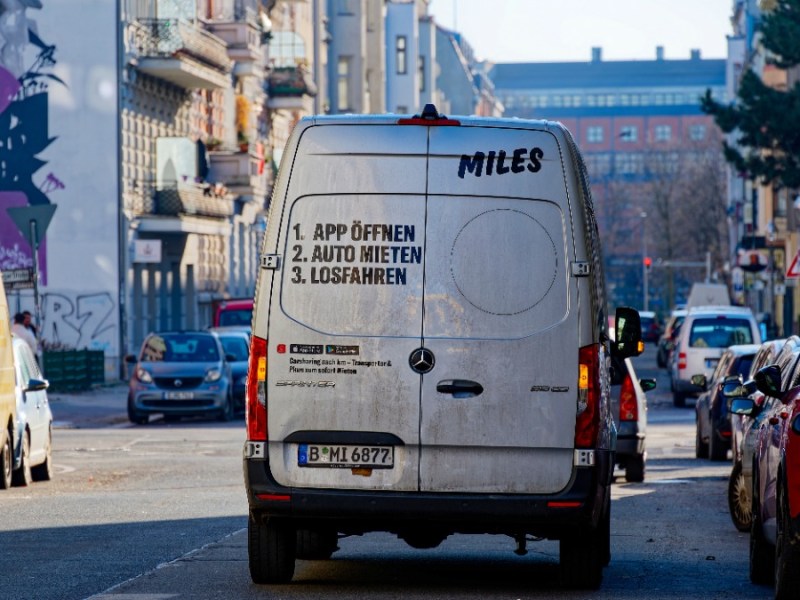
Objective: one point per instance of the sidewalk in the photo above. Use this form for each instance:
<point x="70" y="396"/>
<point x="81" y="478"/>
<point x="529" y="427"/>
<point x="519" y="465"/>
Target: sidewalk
<point x="100" y="406"/>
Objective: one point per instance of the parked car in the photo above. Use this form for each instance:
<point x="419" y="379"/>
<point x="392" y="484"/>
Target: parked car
<point x="180" y="374"/>
<point x="629" y="407"/>
<point x="8" y="404"/>
<point x="667" y="340"/>
<point x="236" y="344"/>
<point x="774" y="555"/>
<point x="744" y="433"/>
<point x="32" y="458"/>
<point x="651" y="328"/>
<point x="712" y="419"/>
<point x="705" y="333"/>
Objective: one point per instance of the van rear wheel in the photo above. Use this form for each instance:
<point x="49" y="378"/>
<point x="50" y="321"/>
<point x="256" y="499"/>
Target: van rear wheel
<point x="271" y="547"/>
<point x="583" y="555"/>
<point x="678" y="399"/>
<point x="6" y="463"/>
<point x="316" y="544"/>
<point x="634" y="468"/>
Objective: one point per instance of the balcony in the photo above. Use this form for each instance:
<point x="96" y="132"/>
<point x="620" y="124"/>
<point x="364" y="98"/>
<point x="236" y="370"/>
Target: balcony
<point x="179" y="52"/>
<point x="236" y="22"/>
<point x="243" y="173"/>
<point x="192" y="199"/>
<point x="290" y="88"/>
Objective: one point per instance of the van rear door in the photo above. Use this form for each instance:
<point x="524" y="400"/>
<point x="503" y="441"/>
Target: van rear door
<point x="498" y="409"/>
<point x="346" y="310"/>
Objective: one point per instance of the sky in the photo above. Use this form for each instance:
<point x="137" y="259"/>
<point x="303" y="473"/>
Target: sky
<point x="566" y="30"/>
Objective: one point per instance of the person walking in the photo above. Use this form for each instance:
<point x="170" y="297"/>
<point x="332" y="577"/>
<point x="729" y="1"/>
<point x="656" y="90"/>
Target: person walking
<point x="18" y="329"/>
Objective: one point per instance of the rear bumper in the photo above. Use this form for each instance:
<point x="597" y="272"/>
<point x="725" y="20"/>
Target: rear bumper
<point x="359" y="511"/>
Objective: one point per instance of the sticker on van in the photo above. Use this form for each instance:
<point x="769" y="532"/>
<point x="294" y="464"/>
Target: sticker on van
<point x="521" y="160"/>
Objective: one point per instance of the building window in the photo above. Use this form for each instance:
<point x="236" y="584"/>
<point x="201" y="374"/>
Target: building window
<point x="697" y="132"/>
<point x="628" y="133"/>
<point x="663" y="133"/>
<point x="400" y="54"/>
<point x="594" y="134"/>
<point x="421" y="67"/>
<point x="286" y="49"/>
<point x="343" y="84"/>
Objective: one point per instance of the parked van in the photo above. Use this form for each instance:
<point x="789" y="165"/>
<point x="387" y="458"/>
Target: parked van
<point x="430" y="343"/>
<point x="8" y="402"/>
<point x="704" y="335"/>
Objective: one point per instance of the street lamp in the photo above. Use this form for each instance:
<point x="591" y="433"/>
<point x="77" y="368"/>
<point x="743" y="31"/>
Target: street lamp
<point x="645" y="261"/>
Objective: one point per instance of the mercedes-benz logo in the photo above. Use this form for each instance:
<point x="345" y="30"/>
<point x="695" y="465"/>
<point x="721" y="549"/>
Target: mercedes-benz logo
<point x="178" y="383"/>
<point x="422" y="360"/>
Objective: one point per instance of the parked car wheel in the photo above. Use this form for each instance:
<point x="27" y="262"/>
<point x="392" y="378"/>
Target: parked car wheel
<point x="678" y="399"/>
<point x="6" y="464"/>
<point x="717" y="449"/>
<point x="44" y="471"/>
<point x="135" y="416"/>
<point x="226" y="414"/>
<point x="634" y="468"/>
<point x="22" y="476"/>
<point x="762" y="556"/>
<point x="316" y="544"/>
<point x="739" y="503"/>
<point x="700" y="447"/>
<point x="787" y="556"/>
<point x="271" y="547"/>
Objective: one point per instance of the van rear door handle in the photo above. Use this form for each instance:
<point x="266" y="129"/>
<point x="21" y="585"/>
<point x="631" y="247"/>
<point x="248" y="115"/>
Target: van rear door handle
<point x="459" y="388"/>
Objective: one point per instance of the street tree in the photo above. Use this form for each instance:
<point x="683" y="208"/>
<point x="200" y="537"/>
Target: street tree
<point x="764" y="121"/>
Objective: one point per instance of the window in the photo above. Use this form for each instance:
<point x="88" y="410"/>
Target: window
<point x="400" y="54"/>
<point x="594" y="134"/>
<point x="343" y="84"/>
<point x="697" y="132"/>
<point x="286" y="49"/>
<point x="628" y="133"/>
<point x="663" y="133"/>
<point x="421" y="69"/>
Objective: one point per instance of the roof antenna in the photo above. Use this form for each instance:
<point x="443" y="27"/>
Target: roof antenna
<point x="430" y="112"/>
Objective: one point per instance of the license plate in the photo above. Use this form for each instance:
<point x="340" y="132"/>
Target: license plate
<point x="711" y="362"/>
<point x="178" y="395"/>
<point x="345" y="457"/>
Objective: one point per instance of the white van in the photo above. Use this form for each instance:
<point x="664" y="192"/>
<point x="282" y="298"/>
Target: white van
<point x="429" y="349"/>
<point x="8" y="398"/>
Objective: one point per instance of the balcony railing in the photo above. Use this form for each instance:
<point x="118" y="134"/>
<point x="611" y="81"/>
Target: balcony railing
<point x="290" y="81"/>
<point x="235" y="10"/>
<point x="169" y="38"/>
<point x="192" y="200"/>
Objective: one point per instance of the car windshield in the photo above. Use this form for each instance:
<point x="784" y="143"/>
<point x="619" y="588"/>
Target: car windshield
<point x="235" y="345"/>
<point x="230" y="317"/>
<point x="180" y="347"/>
<point x="720" y="333"/>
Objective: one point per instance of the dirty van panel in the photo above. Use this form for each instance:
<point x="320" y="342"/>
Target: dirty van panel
<point x="354" y="264"/>
<point x="500" y="305"/>
<point x="359" y="159"/>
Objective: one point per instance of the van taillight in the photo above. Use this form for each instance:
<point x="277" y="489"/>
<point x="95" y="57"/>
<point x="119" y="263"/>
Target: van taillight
<point x="682" y="360"/>
<point x="628" y="407"/>
<point x="588" y="422"/>
<point x="256" y="411"/>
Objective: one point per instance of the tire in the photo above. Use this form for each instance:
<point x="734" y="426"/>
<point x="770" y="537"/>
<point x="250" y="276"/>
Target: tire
<point x="172" y="418"/>
<point x="44" y="471"/>
<point x="700" y="447"/>
<point x="717" y="449"/>
<point x="739" y="504"/>
<point x="583" y="555"/>
<point x="635" y="468"/>
<point x="226" y="414"/>
<point x="271" y="548"/>
<point x="678" y="399"/>
<point x="135" y="416"/>
<point x="787" y="555"/>
<point x="661" y="360"/>
<point x="6" y="463"/>
<point x="22" y="476"/>
<point x="316" y="544"/>
<point x="762" y="556"/>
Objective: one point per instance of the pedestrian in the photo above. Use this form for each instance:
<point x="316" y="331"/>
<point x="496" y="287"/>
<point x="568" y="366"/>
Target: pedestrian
<point x="29" y="323"/>
<point x="19" y="330"/>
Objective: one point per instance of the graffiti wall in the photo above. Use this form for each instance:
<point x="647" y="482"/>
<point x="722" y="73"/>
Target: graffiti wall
<point x="59" y="145"/>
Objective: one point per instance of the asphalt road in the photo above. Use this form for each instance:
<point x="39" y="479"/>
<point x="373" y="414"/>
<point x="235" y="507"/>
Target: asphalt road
<point x="159" y="512"/>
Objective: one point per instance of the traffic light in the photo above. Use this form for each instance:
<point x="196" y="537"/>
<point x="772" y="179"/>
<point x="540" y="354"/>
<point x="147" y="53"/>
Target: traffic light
<point x="648" y="262"/>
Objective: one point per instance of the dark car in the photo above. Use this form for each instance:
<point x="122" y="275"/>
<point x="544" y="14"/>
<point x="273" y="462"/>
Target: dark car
<point x="651" y="328"/>
<point x="775" y="529"/>
<point x="179" y="374"/>
<point x="667" y="340"/>
<point x="236" y="343"/>
<point x="712" y="419"/>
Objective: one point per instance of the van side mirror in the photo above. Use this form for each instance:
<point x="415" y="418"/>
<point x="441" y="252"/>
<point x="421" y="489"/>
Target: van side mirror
<point x="743" y="406"/>
<point x="647" y="384"/>
<point x="700" y="381"/>
<point x="628" y="333"/>
<point x="768" y="381"/>
<point x="735" y="388"/>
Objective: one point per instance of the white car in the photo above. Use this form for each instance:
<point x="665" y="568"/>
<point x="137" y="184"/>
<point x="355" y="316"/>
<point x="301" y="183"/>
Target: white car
<point x="34" y="435"/>
<point x="705" y="334"/>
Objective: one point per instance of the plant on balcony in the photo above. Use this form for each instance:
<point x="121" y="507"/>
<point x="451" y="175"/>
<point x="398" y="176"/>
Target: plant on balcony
<point x="213" y="143"/>
<point x="242" y="121"/>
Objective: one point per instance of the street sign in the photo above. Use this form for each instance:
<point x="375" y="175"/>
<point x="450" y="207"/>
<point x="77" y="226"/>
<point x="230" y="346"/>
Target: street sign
<point x="17" y="279"/>
<point x="147" y="251"/>
<point x="794" y="268"/>
<point x="40" y="214"/>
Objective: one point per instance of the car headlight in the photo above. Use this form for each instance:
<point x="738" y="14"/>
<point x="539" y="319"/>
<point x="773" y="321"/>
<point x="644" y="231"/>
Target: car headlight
<point x="143" y="375"/>
<point x="213" y="375"/>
